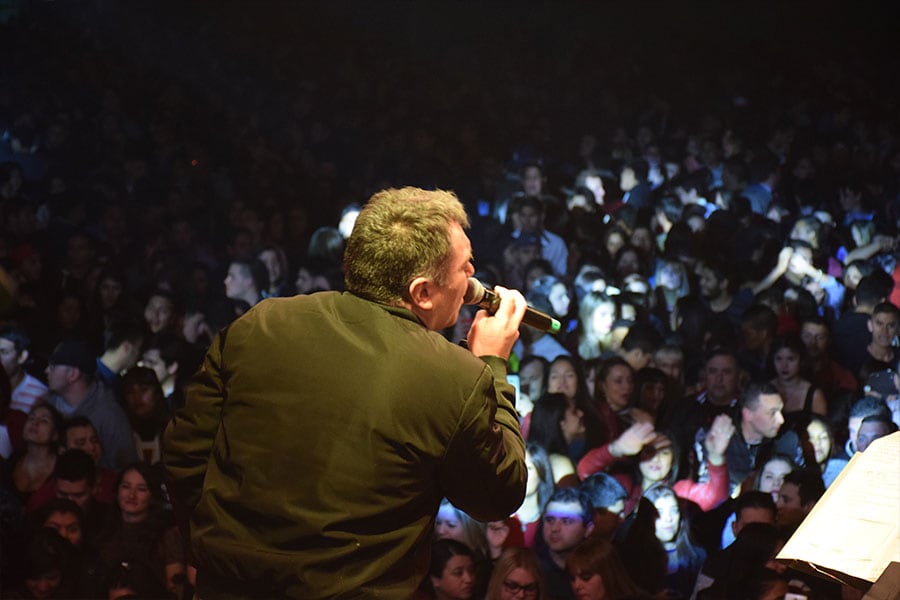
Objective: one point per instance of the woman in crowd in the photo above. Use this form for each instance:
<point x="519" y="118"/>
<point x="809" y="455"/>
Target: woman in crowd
<point x="596" y="314"/>
<point x="671" y="283"/>
<point x="801" y="398"/>
<point x="27" y="470"/>
<point x="277" y="266"/>
<point x="142" y="531"/>
<point x="538" y="487"/>
<point x="597" y="572"/>
<point x="451" y="575"/>
<point x="656" y="462"/>
<point x="556" y="424"/>
<point x="821" y="443"/>
<point x="685" y="558"/>
<point x="614" y="396"/>
<point x="516" y="575"/>
<point x="453" y="524"/>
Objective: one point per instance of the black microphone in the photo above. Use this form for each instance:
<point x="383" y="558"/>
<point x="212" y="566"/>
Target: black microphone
<point x="480" y="296"/>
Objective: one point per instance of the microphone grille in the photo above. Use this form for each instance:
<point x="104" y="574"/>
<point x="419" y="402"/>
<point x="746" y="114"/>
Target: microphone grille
<point x="474" y="292"/>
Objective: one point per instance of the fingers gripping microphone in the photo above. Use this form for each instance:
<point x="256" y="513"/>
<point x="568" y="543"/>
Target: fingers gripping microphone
<point x="480" y="296"/>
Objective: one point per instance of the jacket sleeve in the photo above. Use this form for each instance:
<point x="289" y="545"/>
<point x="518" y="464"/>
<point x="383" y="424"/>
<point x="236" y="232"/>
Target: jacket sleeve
<point x="189" y="437"/>
<point x="594" y="461"/>
<point x="483" y="472"/>
<point x="706" y="495"/>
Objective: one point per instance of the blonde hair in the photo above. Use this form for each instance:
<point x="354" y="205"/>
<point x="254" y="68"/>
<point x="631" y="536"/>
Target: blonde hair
<point x="510" y="560"/>
<point x="399" y="235"/>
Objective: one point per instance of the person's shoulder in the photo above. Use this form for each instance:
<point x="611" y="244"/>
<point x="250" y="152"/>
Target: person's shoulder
<point x="31" y="384"/>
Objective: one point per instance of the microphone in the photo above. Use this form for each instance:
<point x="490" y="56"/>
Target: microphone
<point x="484" y="298"/>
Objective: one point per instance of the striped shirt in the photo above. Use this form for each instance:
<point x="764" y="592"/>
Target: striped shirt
<point x="29" y="392"/>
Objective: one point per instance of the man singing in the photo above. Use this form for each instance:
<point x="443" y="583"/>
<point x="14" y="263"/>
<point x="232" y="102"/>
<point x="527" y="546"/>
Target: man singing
<point x="322" y="431"/>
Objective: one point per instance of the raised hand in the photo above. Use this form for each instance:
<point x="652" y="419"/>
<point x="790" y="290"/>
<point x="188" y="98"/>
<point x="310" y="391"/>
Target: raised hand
<point x="717" y="439"/>
<point x="633" y="439"/>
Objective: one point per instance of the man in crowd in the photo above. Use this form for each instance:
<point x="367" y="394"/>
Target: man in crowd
<point x="75" y="391"/>
<point x="566" y="522"/>
<point x="386" y="416"/>
<point x="27" y="390"/>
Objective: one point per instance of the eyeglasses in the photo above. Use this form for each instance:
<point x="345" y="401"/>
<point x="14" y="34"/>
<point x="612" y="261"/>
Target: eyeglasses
<point x="529" y="591"/>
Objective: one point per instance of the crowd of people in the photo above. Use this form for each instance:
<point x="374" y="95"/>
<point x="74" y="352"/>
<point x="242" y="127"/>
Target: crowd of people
<point x="726" y="277"/>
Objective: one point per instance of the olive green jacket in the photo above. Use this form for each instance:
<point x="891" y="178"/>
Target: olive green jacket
<point x="318" y="439"/>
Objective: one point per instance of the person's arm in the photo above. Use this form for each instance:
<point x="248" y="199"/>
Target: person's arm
<point x="709" y="494"/>
<point x="881" y="243"/>
<point x="483" y="472"/>
<point x="784" y="258"/>
<point x="190" y="434"/>
<point x="628" y="444"/>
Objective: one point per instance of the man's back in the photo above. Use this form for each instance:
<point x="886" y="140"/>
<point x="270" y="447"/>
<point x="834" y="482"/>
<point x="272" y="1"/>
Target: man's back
<point x="325" y="473"/>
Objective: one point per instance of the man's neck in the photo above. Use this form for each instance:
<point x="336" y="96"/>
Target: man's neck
<point x="720" y="302"/>
<point x="75" y="395"/>
<point x="559" y="558"/>
<point x="750" y="436"/>
<point x="879" y="352"/>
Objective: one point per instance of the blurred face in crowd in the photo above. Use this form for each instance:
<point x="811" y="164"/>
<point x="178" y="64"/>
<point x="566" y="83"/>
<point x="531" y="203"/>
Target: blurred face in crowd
<point x="709" y="284"/>
<point x="618" y="386"/>
<point x="238" y="282"/>
<point x="669" y="518"/>
<point x="815" y="337"/>
<point x="39" y="427"/>
<point x="820" y="440"/>
<point x="562" y="379"/>
<point x="559" y="299"/>
<point x="140" y="399"/>
<point x="564" y="526"/>
<point x="572" y="424"/>
<point x="869" y="432"/>
<point x="656" y="461"/>
<point x="158" y="313"/>
<point x="457" y="580"/>
<point x="448" y="525"/>
<point x="134" y="497"/>
<point x="670" y="363"/>
<point x="153" y="360"/>
<point x="67" y="525"/>
<point x="883" y="326"/>
<point x="273" y="265"/>
<point x="78" y="491"/>
<point x="787" y="364"/>
<point x="9" y="357"/>
<point x="588" y="586"/>
<point x="44" y="585"/>
<point x="531" y="379"/>
<point x="721" y="377"/>
<point x="765" y="419"/>
<point x="772" y="476"/>
<point x="603" y="318"/>
<point x="532" y="181"/>
<point x="627" y="179"/>
<point x="519" y="583"/>
<point x="85" y="438"/>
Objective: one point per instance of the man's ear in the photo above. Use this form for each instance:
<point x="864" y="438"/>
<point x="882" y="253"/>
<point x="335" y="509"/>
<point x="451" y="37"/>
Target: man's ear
<point x="420" y="293"/>
<point x="869" y="324"/>
<point x="23" y="357"/>
<point x="172" y="368"/>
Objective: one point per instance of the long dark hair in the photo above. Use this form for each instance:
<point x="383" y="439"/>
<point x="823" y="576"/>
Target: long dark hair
<point x="686" y="551"/>
<point x="545" y="427"/>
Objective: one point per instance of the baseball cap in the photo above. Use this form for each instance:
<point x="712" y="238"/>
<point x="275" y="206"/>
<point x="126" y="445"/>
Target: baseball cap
<point x="74" y="353"/>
